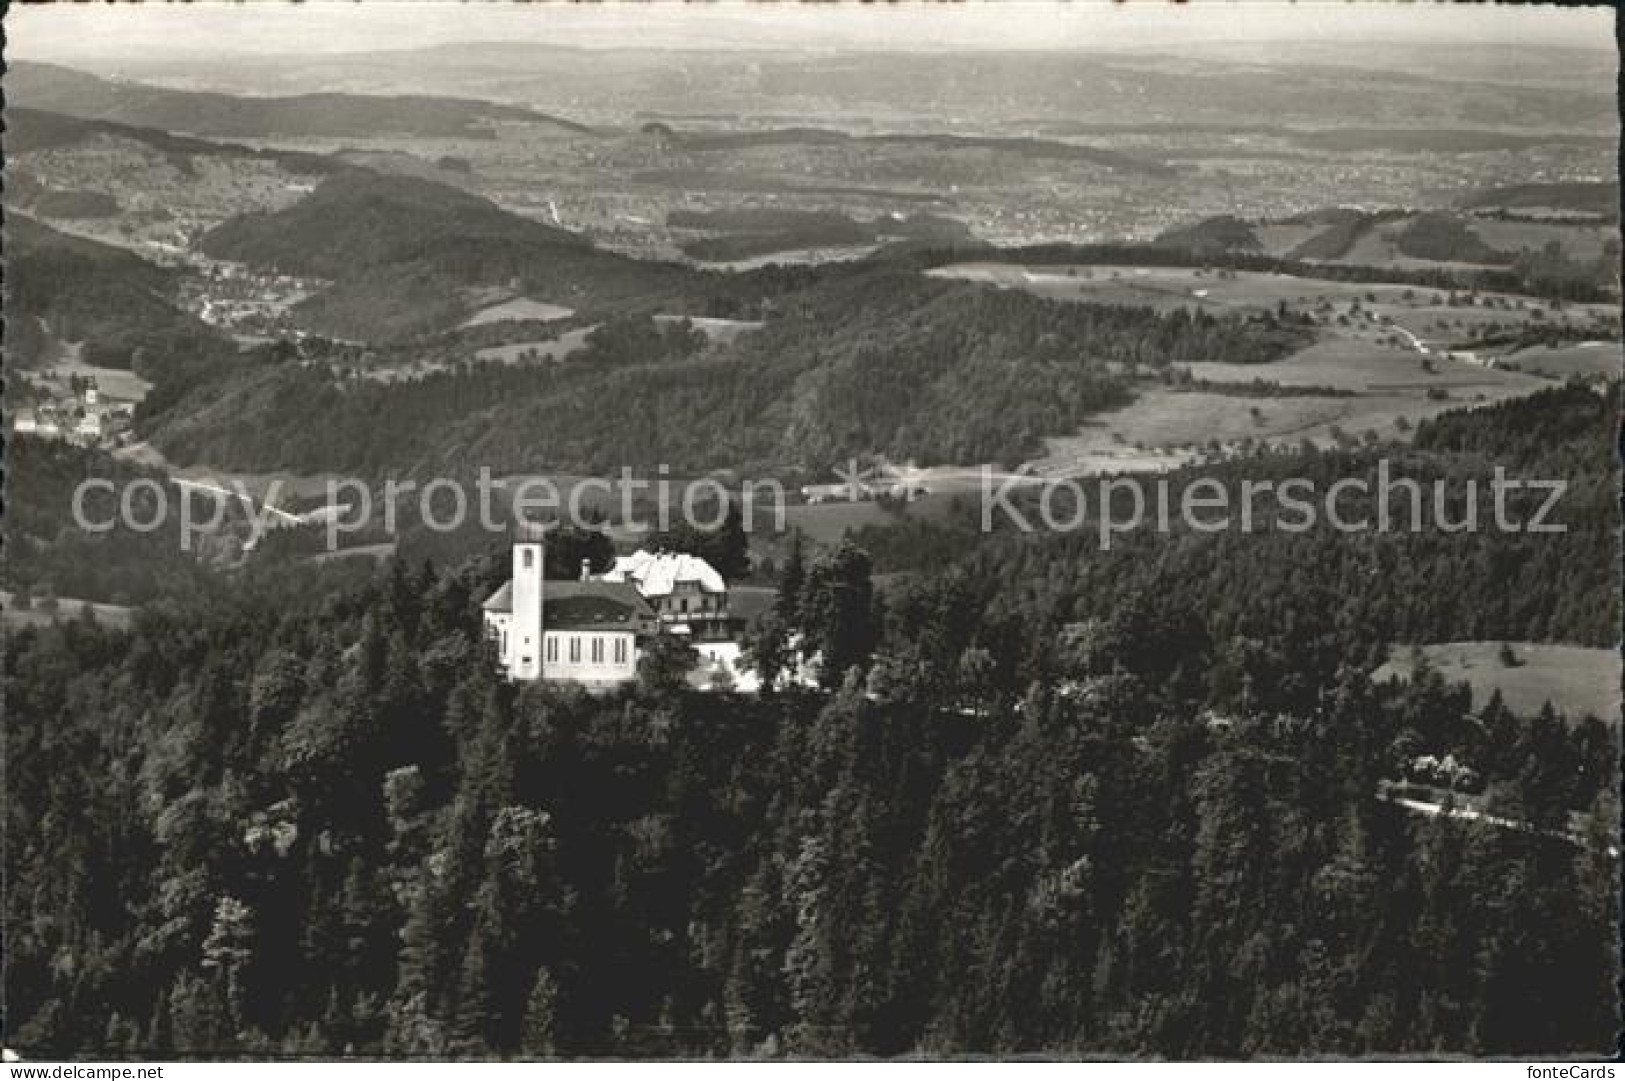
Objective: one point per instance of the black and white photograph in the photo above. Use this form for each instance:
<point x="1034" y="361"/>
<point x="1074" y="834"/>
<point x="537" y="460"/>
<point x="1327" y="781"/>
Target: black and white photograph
<point x="783" y="532"/>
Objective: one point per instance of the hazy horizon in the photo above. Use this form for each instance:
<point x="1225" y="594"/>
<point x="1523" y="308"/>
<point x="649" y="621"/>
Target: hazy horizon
<point x="83" y="34"/>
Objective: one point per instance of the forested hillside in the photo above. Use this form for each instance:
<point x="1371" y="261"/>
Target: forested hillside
<point x="118" y="304"/>
<point x="1049" y="801"/>
<point x="39" y="129"/>
<point x="46" y="550"/>
<point x="1332" y="597"/>
<point x="875" y="362"/>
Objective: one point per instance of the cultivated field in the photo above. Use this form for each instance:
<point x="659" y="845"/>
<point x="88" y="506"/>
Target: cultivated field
<point x="1382" y="359"/>
<point x="1576" y="680"/>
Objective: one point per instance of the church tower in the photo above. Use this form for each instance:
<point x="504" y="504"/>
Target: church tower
<point x="525" y="658"/>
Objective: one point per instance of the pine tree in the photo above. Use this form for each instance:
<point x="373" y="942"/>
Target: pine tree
<point x="792" y="580"/>
<point x="541" y="1016"/>
<point x="227" y="950"/>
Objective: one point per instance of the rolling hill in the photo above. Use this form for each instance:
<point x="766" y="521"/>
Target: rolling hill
<point x="402" y="251"/>
<point x="29" y="130"/>
<point x="64" y="90"/>
<point x="864" y="359"/>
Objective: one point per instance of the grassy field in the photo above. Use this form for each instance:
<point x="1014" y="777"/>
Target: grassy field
<point x="1583" y="241"/>
<point x="377" y="552"/>
<point x="827" y="523"/>
<point x="1164" y="429"/>
<point x="1584" y="359"/>
<point x="1163" y="288"/>
<point x="1168" y="288"/>
<point x="1385" y="390"/>
<point x="518" y="308"/>
<point x="1379" y="247"/>
<point x="1279" y="238"/>
<point x="724" y="331"/>
<point x="120" y="384"/>
<point x="1576" y="680"/>
<point x="1351" y="363"/>
<point x="571" y="341"/>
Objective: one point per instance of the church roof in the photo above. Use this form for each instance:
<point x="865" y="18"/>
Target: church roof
<point x="580" y="606"/>
<point x="593" y="606"/>
<point x="659" y="573"/>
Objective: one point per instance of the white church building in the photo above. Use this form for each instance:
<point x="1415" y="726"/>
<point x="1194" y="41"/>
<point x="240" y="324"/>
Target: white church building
<point x="591" y="631"/>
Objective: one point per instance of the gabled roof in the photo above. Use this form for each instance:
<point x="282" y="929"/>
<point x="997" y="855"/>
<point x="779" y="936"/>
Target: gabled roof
<point x="591" y="605"/>
<point x="657" y="574"/>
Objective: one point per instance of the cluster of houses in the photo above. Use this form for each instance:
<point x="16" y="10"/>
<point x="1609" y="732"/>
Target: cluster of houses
<point x="243" y="300"/>
<point x="84" y="417"/>
<point x="593" y="630"/>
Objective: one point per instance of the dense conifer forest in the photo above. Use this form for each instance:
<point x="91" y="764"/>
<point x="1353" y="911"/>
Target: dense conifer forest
<point x="1047" y="800"/>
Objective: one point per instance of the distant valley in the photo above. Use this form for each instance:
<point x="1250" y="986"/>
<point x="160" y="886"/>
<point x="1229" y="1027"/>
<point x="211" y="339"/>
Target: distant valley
<point x="355" y="282"/>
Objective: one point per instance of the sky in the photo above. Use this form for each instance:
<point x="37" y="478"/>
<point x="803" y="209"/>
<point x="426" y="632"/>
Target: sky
<point x="65" y="33"/>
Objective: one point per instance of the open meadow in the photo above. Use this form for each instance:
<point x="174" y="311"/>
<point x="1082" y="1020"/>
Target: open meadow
<point x="1576" y="680"/>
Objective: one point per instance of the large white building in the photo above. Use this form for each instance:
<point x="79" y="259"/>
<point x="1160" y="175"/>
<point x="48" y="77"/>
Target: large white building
<point x="584" y="632"/>
<point x="591" y="631"/>
<point x="686" y="592"/>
